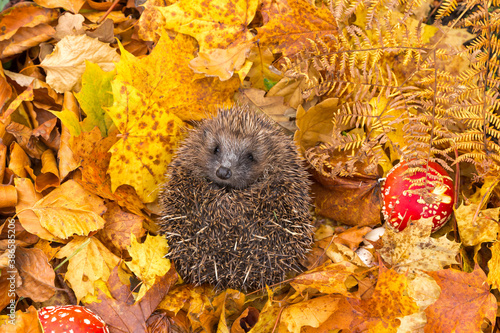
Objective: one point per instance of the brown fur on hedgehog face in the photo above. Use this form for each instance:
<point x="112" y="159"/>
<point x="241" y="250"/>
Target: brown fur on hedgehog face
<point x="236" y="157"/>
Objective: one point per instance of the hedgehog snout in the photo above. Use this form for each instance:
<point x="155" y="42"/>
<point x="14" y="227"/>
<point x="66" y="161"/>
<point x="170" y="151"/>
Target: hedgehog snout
<point x="223" y="173"/>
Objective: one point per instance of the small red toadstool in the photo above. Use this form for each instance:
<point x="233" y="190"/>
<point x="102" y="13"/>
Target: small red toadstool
<point x="403" y="202"/>
<point x="70" y="319"/>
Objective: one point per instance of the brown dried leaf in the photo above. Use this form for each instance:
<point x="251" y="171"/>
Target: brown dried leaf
<point x="24" y="39"/>
<point x="37" y="276"/>
<point x="355" y="200"/>
<point x="70" y="5"/>
<point x="119" y="310"/>
<point x="119" y="227"/>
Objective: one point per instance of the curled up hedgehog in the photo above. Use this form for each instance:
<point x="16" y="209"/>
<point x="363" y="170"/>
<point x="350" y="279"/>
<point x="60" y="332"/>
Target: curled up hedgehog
<point x="235" y="205"/>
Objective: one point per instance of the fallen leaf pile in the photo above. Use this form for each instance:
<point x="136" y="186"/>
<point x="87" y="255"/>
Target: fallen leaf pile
<point x="95" y="97"/>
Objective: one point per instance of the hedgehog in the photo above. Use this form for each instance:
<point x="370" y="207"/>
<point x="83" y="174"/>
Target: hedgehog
<point x="235" y="203"/>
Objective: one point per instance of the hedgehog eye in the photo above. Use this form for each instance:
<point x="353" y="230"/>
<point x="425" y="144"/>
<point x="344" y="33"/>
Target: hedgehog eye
<point x="250" y="157"/>
<point x="216" y="150"/>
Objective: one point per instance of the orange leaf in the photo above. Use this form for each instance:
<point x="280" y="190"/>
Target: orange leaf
<point x="288" y="33"/>
<point x="8" y="196"/>
<point x="389" y="302"/>
<point x="464" y="303"/>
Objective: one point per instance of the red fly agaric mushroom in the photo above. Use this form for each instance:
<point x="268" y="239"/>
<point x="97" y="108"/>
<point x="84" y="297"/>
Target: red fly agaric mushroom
<point x="419" y="195"/>
<point x="70" y="318"/>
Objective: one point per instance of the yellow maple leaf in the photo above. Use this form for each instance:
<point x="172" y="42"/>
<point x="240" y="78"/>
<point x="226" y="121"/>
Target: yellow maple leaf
<point x="214" y="24"/>
<point x="88" y="263"/>
<point x="164" y="77"/>
<point x="66" y="64"/>
<point x="70" y="210"/>
<point x="494" y="266"/>
<point x="148" y="260"/>
<point x="149" y="135"/>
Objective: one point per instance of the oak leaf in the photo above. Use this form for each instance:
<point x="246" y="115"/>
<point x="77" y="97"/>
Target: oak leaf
<point x="464" y="303"/>
<point x="66" y="64"/>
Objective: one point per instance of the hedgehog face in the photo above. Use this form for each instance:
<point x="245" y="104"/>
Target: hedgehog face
<point x="233" y="161"/>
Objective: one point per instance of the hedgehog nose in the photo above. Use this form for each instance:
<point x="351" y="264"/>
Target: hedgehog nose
<point x="223" y="173"/>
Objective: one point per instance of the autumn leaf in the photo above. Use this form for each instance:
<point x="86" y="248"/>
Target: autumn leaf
<point x="117" y="308"/>
<point x="215" y="25"/>
<point x="328" y="279"/>
<point x="70" y="5"/>
<point x="165" y="78"/>
<point x="312" y="313"/>
<point x="70" y="210"/>
<point x="477" y="226"/>
<point x="66" y="64"/>
<point x="148" y="260"/>
<point x="303" y="22"/>
<point x="26" y="322"/>
<point x="149" y="136"/>
<point x="90" y="261"/>
<point x="380" y="313"/>
<point x="465" y="302"/>
<point x="412" y="249"/>
<point x="95" y="96"/>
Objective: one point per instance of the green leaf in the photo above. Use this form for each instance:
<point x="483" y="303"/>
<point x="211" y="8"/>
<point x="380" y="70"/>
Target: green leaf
<point x="95" y="97"/>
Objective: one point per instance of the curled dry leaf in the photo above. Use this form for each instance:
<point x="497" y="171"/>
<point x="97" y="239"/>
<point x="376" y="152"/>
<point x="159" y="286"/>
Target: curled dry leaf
<point x="49" y="176"/>
<point x="8" y="196"/>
